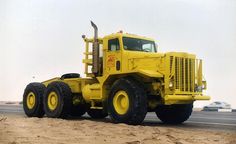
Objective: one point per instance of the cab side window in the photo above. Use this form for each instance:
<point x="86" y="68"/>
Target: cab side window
<point x="113" y="45"/>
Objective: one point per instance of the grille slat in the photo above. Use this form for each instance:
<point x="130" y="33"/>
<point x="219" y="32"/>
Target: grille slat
<point x="184" y="74"/>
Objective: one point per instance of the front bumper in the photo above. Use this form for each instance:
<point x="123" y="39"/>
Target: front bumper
<point x="185" y="97"/>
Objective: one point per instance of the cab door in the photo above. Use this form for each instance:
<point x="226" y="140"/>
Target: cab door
<point x="113" y="56"/>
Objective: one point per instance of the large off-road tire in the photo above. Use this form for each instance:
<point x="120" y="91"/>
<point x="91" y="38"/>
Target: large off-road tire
<point x="97" y="113"/>
<point x="78" y="110"/>
<point x="127" y="102"/>
<point x="33" y="100"/>
<point x="174" y="114"/>
<point x="57" y="100"/>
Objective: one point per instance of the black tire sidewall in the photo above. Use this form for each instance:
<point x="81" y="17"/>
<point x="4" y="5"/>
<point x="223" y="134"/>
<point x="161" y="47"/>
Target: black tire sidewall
<point x="116" y="116"/>
<point x="56" y="112"/>
<point x="38" y="90"/>
<point x="135" y="102"/>
<point x="174" y="114"/>
<point x="64" y="100"/>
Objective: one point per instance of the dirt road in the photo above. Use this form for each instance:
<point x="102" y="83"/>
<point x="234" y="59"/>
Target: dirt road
<point x="16" y="129"/>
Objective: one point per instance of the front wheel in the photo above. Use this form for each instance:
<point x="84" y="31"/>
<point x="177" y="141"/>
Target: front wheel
<point x="127" y="102"/>
<point x="174" y="114"/>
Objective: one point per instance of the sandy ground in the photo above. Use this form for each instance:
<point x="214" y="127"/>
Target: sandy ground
<point x="20" y="129"/>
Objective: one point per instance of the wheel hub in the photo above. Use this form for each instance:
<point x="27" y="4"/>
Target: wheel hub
<point x="30" y="100"/>
<point x="52" y="100"/>
<point x="121" y="102"/>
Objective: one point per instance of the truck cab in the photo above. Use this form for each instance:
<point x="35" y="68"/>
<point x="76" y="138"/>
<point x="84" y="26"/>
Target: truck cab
<point x="178" y="75"/>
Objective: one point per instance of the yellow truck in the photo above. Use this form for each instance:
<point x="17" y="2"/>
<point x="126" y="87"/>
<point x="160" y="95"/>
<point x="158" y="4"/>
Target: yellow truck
<point x="125" y="78"/>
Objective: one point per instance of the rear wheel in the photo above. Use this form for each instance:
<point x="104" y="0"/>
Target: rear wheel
<point x="33" y="100"/>
<point x="174" y="114"/>
<point x="97" y="113"/>
<point x="127" y="102"/>
<point x="57" y="100"/>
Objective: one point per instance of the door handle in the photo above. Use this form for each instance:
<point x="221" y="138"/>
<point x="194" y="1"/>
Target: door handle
<point x="117" y="65"/>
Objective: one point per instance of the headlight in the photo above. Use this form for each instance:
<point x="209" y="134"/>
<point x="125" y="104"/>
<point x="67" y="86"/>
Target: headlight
<point x="204" y="85"/>
<point x="197" y="88"/>
<point x="171" y="84"/>
<point x="200" y="88"/>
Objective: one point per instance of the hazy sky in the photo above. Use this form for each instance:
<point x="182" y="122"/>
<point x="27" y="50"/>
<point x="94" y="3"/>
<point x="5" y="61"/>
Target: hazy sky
<point x="42" y="38"/>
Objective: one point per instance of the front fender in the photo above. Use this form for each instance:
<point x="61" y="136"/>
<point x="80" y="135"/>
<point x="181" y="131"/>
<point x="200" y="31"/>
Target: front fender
<point x="150" y="73"/>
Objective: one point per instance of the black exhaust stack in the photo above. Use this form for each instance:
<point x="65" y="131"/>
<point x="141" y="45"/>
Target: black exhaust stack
<point x="95" y="65"/>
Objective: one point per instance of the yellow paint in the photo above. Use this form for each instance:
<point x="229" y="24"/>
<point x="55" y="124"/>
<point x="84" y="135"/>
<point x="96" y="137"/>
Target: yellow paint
<point x="50" y="81"/>
<point x="199" y="80"/>
<point x="30" y="100"/>
<point x="178" y="73"/>
<point x="111" y="60"/>
<point x="150" y="73"/>
<point x="52" y="100"/>
<point x="91" y="91"/>
<point x="186" y="97"/>
<point x="121" y="102"/>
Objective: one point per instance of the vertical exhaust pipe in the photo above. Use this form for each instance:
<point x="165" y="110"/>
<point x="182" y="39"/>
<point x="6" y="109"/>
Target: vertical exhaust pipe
<point x="95" y="65"/>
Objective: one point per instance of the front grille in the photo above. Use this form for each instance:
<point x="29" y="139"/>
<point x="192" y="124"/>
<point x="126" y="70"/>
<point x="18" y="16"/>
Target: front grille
<point x="184" y="75"/>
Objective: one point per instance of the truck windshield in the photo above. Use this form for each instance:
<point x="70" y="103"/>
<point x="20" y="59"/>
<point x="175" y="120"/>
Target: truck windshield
<point x="134" y="44"/>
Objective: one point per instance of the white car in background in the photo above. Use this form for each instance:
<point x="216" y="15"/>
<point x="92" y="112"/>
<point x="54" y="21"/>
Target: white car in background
<point x="217" y="105"/>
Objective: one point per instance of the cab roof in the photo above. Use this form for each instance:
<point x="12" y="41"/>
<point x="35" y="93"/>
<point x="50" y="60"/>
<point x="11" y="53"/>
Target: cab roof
<point x="121" y="34"/>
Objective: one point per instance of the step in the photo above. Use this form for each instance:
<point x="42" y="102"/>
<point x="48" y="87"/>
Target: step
<point x="88" y="53"/>
<point x="88" y="61"/>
